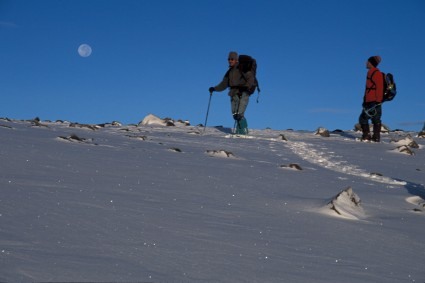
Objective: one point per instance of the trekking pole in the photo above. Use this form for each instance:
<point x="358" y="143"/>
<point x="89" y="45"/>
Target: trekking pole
<point x="208" y="111"/>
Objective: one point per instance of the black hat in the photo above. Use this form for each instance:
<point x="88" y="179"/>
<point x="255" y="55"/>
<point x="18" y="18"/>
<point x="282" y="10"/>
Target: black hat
<point x="374" y="60"/>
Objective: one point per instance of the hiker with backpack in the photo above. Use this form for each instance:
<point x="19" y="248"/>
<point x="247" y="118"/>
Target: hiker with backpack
<point x="242" y="83"/>
<point x="372" y="101"/>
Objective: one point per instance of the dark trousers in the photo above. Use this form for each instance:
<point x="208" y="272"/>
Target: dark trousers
<point x="239" y="103"/>
<point x="371" y="111"/>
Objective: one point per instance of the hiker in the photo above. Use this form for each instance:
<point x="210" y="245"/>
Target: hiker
<point x="239" y="84"/>
<point x="372" y="101"/>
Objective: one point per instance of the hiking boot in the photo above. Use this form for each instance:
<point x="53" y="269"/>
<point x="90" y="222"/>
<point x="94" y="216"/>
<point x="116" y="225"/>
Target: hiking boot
<point x="376" y="132"/>
<point x="366" y="133"/>
<point x="241" y="127"/>
<point x="366" y="138"/>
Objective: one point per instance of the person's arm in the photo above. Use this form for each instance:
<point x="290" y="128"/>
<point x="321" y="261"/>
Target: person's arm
<point x="223" y="84"/>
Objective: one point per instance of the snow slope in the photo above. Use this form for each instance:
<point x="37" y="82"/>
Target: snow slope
<point x="155" y="203"/>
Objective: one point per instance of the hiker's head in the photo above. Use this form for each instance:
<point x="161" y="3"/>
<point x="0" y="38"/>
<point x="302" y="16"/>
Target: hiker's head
<point x="233" y="58"/>
<point x="373" y="61"/>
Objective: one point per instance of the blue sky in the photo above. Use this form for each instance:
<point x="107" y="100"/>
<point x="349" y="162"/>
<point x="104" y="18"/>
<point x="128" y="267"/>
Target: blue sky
<point x="161" y="57"/>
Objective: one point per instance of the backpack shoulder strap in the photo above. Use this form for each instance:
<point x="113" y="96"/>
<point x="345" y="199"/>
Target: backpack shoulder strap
<point x="226" y="76"/>
<point x="374" y="84"/>
<point x="371" y="76"/>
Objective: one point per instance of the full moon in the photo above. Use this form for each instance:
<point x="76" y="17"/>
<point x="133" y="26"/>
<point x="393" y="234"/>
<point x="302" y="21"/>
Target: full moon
<point x="84" y="50"/>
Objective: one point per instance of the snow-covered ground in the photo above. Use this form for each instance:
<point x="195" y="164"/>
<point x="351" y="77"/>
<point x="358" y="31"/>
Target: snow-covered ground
<point x="156" y="203"/>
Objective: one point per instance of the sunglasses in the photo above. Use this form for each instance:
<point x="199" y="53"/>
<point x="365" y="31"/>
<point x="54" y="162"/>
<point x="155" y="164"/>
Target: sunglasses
<point x="231" y="59"/>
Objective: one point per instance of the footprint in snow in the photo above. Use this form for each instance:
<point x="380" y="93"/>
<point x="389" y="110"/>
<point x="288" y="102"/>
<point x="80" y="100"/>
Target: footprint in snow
<point x="220" y="153"/>
<point x="76" y="139"/>
<point x="404" y="149"/>
<point x="137" y="137"/>
<point x="292" y="166"/>
<point x="418" y="201"/>
<point x="5" y="126"/>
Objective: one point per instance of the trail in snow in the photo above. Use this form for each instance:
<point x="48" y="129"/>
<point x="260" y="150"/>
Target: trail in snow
<point x="307" y="152"/>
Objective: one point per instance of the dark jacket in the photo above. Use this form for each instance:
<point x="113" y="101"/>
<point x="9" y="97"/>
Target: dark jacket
<point x="236" y="81"/>
<point x="374" y="86"/>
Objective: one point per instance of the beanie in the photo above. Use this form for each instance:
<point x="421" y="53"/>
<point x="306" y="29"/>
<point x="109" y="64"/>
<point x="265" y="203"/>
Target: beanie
<point x="374" y="60"/>
<point x="233" y="55"/>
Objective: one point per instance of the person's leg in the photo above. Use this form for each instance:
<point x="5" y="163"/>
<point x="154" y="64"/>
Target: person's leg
<point x="234" y="104"/>
<point x="243" y="104"/>
<point x="376" y="120"/>
<point x="364" y="124"/>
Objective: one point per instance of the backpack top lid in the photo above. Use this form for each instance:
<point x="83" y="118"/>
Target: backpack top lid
<point x="247" y="63"/>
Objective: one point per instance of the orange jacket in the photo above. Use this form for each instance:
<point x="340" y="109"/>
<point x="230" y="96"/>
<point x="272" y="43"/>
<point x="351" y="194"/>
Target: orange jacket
<point x="374" y="86"/>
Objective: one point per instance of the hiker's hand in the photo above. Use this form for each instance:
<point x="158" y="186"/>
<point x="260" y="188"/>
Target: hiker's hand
<point x="211" y="89"/>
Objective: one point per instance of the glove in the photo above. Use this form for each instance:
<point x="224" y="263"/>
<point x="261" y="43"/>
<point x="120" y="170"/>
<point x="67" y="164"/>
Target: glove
<point x="211" y="89"/>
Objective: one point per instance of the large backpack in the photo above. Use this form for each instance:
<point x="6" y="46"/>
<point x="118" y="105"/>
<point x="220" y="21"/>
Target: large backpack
<point x="246" y="64"/>
<point x="390" y="88"/>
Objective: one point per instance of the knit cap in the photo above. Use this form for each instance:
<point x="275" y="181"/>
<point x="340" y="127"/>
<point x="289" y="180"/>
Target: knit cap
<point x="374" y="60"/>
<point x="233" y="55"/>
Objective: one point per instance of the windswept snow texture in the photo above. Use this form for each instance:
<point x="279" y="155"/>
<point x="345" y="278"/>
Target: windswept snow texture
<point x="153" y="203"/>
